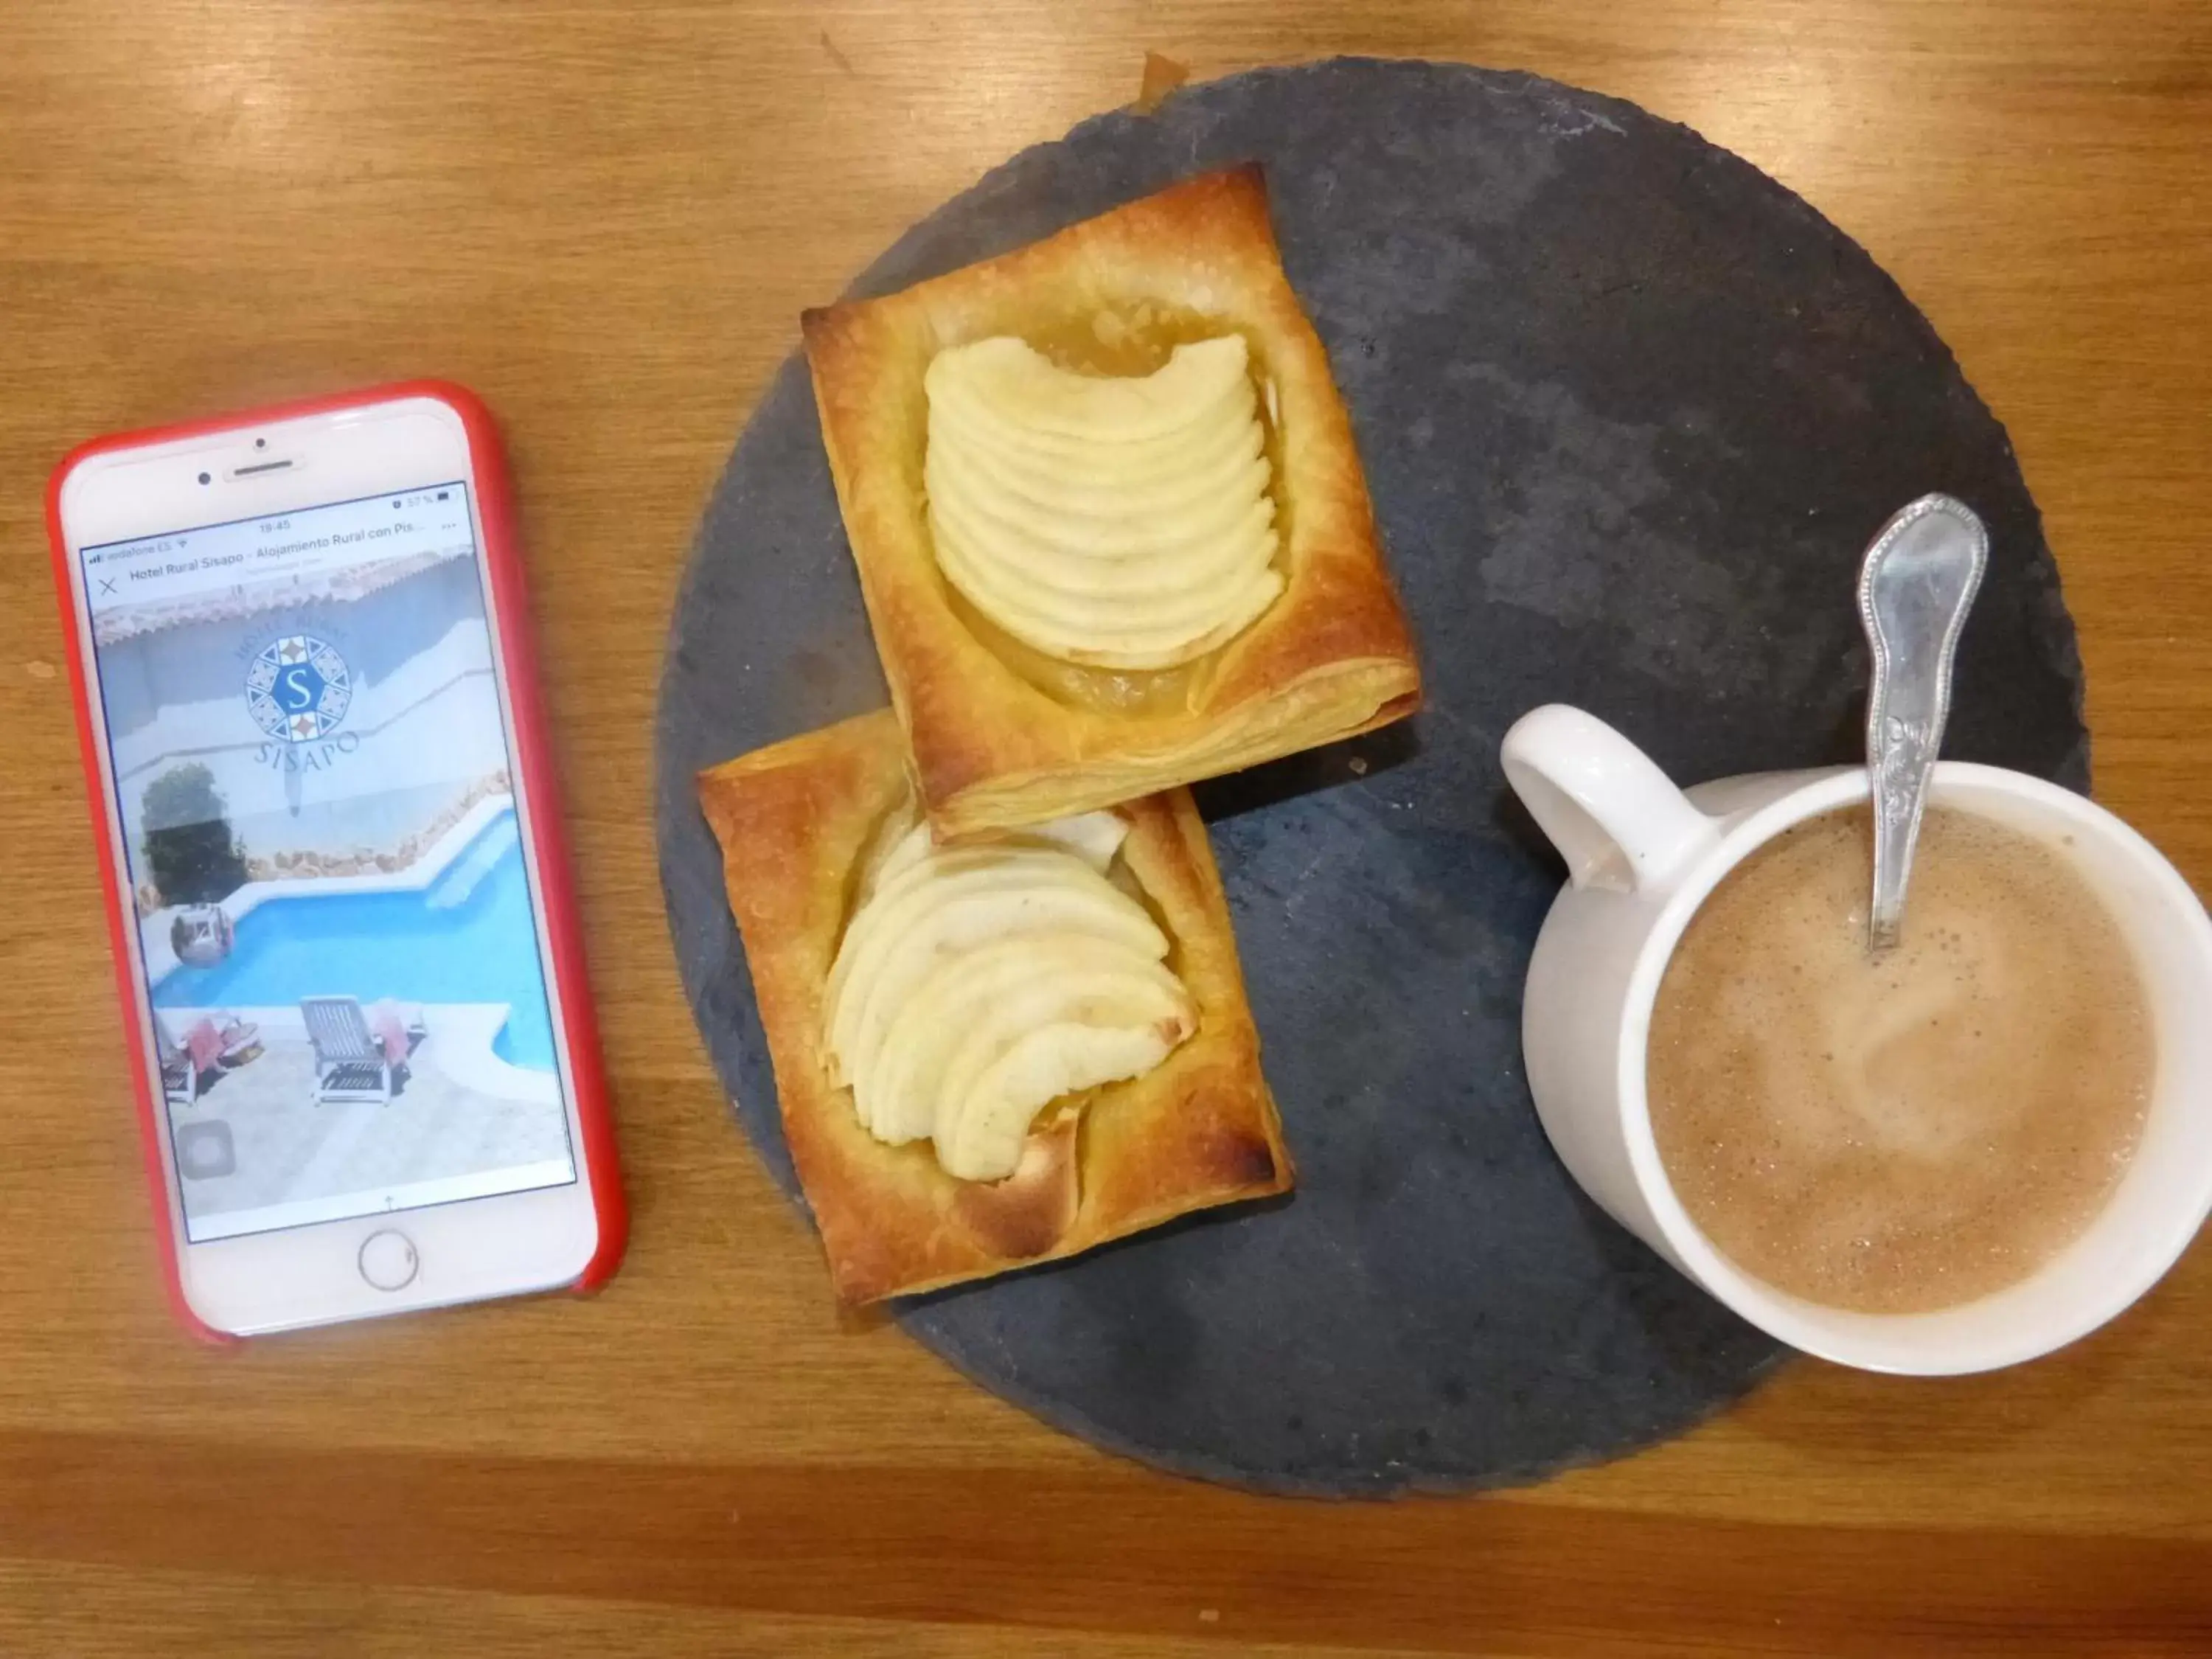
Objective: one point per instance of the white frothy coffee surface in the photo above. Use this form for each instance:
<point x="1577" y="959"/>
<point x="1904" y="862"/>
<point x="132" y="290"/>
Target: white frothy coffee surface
<point x="1913" y="1132"/>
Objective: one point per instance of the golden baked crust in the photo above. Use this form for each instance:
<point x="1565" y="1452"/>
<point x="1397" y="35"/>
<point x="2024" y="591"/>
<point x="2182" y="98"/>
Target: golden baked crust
<point x="1197" y="1130"/>
<point x="1001" y="737"/>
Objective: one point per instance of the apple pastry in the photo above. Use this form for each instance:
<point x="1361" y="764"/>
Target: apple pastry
<point x="1121" y="521"/>
<point x="993" y="1053"/>
<point x="1110" y="521"/>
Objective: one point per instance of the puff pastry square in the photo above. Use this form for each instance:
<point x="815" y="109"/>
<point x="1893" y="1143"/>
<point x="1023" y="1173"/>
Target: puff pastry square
<point x="1001" y="735"/>
<point x="794" y="820"/>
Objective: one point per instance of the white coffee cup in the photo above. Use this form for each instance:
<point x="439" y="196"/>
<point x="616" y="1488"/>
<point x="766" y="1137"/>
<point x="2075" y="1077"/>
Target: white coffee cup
<point x="1642" y="855"/>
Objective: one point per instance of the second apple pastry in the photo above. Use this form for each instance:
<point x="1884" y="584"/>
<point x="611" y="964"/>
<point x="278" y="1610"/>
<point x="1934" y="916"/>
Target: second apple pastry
<point x="993" y="1053"/>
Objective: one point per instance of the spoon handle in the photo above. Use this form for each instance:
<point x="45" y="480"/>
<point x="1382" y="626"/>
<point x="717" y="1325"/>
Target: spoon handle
<point x="1915" y="588"/>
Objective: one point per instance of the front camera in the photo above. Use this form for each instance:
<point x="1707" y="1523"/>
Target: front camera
<point x="204" y="478"/>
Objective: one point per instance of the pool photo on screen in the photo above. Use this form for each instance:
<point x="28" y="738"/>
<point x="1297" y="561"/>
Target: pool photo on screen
<point x="304" y="725"/>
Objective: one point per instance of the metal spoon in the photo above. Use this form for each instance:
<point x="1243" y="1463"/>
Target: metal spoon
<point x="1915" y="588"/>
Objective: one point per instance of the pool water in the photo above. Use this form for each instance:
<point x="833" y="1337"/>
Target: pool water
<point x="467" y="938"/>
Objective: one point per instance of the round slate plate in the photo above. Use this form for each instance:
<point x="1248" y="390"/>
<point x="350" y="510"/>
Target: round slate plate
<point x="1631" y="412"/>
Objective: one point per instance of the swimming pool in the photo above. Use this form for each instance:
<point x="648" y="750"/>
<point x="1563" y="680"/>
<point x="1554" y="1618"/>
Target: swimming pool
<point x="468" y="936"/>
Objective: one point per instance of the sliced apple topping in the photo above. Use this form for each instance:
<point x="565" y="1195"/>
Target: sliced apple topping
<point x="976" y="985"/>
<point x="1121" y="522"/>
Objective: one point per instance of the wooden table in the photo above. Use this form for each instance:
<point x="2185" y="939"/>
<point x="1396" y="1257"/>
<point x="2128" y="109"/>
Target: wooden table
<point x="606" y="219"/>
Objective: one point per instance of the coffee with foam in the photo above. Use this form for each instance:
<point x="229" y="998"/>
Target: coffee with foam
<point x="1911" y="1132"/>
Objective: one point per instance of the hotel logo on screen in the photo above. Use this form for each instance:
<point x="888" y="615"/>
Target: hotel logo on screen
<point x="298" y="689"/>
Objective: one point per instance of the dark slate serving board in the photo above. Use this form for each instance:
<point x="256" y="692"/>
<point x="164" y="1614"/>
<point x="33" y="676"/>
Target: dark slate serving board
<point x="1630" y="410"/>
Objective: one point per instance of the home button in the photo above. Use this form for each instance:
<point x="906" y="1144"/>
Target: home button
<point x="388" y="1260"/>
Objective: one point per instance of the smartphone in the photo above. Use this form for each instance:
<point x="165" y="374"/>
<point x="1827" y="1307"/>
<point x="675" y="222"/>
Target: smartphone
<point x="367" y="1069"/>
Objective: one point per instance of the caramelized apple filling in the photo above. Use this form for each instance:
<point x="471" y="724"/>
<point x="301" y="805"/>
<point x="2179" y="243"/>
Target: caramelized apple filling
<point x="1116" y="522"/>
<point x="976" y="985"/>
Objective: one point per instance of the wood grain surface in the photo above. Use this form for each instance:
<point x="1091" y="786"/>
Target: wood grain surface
<point x="606" y="218"/>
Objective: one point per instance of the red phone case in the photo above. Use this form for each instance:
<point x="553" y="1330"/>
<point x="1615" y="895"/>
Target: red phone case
<point x="534" y="759"/>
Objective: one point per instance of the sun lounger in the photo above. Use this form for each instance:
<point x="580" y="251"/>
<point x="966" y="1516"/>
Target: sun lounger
<point x="241" y="1041"/>
<point x="180" y="1078"/>
<point x="350" y="1064"/>
<point x="397" y="1026"/>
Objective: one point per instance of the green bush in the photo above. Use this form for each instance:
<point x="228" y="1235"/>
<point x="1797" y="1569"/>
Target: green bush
<point x="191" y="853"/>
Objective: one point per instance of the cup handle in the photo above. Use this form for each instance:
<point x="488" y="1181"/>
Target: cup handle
<point x="1620" y="821"/>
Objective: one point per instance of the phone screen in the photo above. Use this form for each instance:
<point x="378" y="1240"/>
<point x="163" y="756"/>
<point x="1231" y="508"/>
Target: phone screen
<point x="335" y="909"/>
